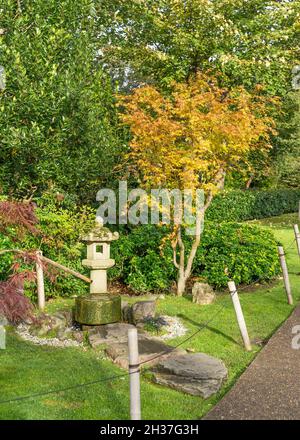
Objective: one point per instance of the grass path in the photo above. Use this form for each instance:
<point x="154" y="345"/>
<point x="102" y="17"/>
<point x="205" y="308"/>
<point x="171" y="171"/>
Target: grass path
<point x="26" y="369"/>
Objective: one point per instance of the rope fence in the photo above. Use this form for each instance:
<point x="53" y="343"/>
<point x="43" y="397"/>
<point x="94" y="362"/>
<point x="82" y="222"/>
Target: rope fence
<point x="135" y="369"/>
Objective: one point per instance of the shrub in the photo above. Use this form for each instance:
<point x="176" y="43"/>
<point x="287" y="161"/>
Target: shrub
<point x="239" y="252"/>
<point x="235" y="251"/>
<point x="140" y="263"/>
<point x="228" y="251"/>
<point x="58" y="238"/>
<point x="252" y="204"/>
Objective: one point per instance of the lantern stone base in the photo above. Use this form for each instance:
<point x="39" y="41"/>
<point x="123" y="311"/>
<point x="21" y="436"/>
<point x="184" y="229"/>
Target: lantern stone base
<point x="97" y="309"/>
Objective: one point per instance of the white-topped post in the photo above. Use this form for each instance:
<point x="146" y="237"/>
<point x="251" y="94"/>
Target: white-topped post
<point x="285" y="274"/>
<point x="239" y="315"/>
<point x="297" y="238"/>
<point x="134" y="374"/>
<point x="40" y="281"/>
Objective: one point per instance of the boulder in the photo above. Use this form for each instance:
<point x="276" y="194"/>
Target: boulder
<point x="78" y="336"/>
<point x="51" y="324"/>
<point x="126" y="312"/>
<point x="64" y="333"/>
<point x="65" y="317"/>
<point x="203" y="294"/>
<point x="142" y="310"/>
<point x="197" y="374"/>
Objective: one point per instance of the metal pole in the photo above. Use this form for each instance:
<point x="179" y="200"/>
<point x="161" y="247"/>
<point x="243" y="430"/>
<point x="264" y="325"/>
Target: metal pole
<point x="297" y="237"/>
<point x="285" y="275"/>
<point x="134" y="375"/>
<point x="40" y="281"/>
<point x="239" y="315"/>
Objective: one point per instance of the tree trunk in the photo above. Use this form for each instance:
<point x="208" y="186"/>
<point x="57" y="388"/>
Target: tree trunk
<point x="181" y="282"/>
<point x="184" y="270"/>
<point x="249" y="181"/>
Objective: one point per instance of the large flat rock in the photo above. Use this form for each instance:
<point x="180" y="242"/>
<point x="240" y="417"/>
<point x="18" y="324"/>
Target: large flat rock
<point x="114" y="338"/>
<point x="109" y="334"/>
<point x="198" y="374"/>
<point x="150" y="350"/>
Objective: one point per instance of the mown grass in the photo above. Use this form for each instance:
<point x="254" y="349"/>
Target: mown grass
<point x="27" y="369"/>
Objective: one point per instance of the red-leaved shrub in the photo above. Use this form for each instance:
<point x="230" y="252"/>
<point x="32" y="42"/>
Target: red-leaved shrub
<point x="18" y="214"/>
<point x="14" y="305"/>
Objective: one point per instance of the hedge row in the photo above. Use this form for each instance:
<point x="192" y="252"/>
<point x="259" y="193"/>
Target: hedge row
<point x="236" y="251"/>
<point x="252" y="204"/>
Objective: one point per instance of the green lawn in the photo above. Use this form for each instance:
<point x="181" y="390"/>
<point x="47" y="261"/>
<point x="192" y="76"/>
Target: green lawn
<point x="27" y="369"/>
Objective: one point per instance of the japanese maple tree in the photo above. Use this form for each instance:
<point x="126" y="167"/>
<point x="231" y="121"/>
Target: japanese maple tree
<point x="189" y="139"/>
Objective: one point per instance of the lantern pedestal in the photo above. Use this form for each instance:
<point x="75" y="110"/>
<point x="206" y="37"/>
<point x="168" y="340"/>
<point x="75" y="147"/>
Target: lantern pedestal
<point x="98" y="274"/>
<point x="96" y="309"/>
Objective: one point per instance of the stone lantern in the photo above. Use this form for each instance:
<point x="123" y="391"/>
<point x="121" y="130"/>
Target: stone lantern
<point x="98" y="307"/>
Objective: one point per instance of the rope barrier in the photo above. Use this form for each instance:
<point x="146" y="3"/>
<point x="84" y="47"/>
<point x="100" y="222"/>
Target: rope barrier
<point x="202" y="326"/>
<point x="110" y="379"/>
<point x="71" y="387"/>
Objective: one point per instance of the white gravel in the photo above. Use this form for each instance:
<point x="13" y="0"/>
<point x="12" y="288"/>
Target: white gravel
<point x="23" y="332"/>
<point x="174" y="328"/>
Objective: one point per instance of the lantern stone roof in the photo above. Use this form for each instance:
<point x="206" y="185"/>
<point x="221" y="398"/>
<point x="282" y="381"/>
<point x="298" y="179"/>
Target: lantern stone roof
<point x="99" y="234"/>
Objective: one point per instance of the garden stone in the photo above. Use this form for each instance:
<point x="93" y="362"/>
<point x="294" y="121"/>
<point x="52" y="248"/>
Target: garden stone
<point x="150" y="349"/>
<point x="203" y="294"/>
<point x="64" y="333"/>
<point x="126" y="312"/>
<point x="49" y="324"/>
<point x="65" y="316"/>
<point x="78" y="336"/>
<point x="40" y="331"/>
<point x="142" y="310"/>
<point x="197" y="374"/>
<point x="109" y="334"/>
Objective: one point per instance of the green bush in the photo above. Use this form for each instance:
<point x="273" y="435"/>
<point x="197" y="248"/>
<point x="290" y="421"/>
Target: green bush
<point x="144" y="261"/>
<point x="252" y="204"/>
<point x="235" y="251"/>
<point x="140" y="263"/>
<point x="239" y="252"/>
<point x="59" y="240"/>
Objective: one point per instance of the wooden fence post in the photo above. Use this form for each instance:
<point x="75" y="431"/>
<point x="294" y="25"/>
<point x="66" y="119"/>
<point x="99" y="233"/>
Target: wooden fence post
<point x="297" y="237"/>
<point x="40" y="281"/>
<point x="2" y="337"/>
<point x="285" y="275"/>
<point x="239" y="315"/>
<point x="134" y="375"/>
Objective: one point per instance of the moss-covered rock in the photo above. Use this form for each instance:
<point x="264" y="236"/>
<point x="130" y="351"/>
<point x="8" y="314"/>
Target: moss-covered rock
<point x="98" y="309"/>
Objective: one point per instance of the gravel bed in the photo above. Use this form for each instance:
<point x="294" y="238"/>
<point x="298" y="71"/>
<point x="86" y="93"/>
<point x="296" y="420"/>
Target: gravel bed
<point x="23" y="332"/>
<point x="174" y="328"/>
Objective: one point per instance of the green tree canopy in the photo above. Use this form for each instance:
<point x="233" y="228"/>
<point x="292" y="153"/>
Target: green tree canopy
<point x="251" y="41"/>
<point x="58" y="123"/>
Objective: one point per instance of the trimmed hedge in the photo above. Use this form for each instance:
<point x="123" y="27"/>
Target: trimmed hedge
<point x="252" y="204"/>
<point x="228" y="250"/>
<point x="241" y="252"/>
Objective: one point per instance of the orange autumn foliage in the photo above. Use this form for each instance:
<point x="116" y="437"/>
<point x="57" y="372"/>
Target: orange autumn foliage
<point x="190" y="140"/>
<point x="196" y="134"/>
